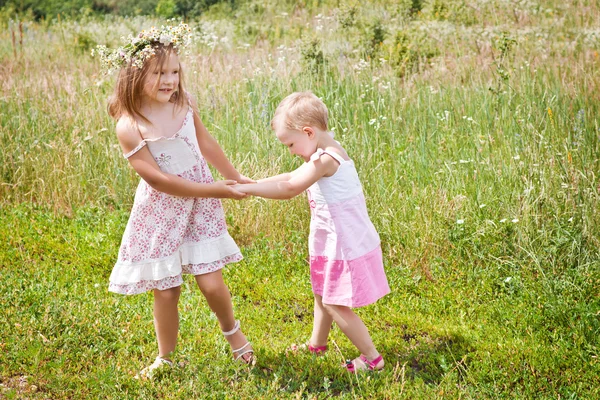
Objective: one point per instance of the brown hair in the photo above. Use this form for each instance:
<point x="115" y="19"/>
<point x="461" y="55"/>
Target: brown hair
<point x="127" y="96"/>
<point x="301" y="109"/>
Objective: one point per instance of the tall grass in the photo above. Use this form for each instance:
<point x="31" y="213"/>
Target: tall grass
<point x="475" y="133"/>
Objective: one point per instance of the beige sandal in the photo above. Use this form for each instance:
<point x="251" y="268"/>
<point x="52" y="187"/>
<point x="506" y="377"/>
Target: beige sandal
<point x="250" y="360"/>
<point x="158" y="364"/>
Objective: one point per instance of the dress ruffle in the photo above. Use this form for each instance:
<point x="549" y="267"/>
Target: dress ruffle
<point x="173" y="281"/>
<point x="206" y="252"/>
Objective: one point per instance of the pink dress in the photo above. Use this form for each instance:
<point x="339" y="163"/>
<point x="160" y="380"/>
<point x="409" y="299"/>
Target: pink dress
<point x="166" y="235"/>
<point x="346" y="265"/>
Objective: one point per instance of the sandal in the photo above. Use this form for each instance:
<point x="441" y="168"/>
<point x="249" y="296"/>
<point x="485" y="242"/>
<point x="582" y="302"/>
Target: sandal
<point x="366" y="364"/>
<point x="158" y="364"/>
<point x="316" y="350"/>
<point x="249" y="359"/>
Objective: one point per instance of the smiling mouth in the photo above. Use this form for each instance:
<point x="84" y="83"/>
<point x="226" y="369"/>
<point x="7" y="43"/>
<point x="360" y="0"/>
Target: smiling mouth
<point x="165" y="90"/>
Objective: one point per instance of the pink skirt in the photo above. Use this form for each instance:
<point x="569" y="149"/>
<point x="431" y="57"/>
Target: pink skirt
<point x="350" y="283"/>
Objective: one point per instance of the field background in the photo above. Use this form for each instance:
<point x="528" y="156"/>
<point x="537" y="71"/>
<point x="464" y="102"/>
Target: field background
<point x="474" y="127"/>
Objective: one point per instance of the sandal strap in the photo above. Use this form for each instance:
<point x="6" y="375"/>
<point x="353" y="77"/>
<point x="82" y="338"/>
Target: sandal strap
<point x="236" y="327"/>
<point x="241" y="353"/>
<point x="317" y="349"/>
<point x="371" y="364"/>
<point x="350" y="366"/>
<point x="164" y="360"/>
<point x="242" y="348"/>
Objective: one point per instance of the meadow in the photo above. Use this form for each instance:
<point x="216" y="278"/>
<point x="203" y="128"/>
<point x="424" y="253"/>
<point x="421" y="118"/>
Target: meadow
<point x="474" y="127"/>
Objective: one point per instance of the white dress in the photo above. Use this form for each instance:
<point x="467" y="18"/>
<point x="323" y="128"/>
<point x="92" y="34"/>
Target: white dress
<point x="346" y="264"/>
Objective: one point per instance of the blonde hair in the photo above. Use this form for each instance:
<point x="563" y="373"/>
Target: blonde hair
<point x="127" y="96"/>
<point x="301" y="109"/>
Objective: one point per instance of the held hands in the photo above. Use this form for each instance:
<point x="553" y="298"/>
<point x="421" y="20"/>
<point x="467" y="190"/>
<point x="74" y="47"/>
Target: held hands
<point x="226" y="189"/>
<point x="244" y="179"/>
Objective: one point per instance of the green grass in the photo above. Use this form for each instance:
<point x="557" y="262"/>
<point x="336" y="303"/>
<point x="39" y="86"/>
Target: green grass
<point x="471" y="333"/>
<point x="477" y="144"/>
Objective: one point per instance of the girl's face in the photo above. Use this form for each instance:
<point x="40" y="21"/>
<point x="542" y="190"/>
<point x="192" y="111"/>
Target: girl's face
<point x="161" y="83"/>
<point x="302" y="143"/>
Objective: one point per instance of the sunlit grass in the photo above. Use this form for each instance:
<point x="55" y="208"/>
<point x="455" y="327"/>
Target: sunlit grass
<point x="478" y="156"/>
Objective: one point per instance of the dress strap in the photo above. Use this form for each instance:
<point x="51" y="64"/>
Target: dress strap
<point x="137" y="148"/>
<point x="333" y="154"/>
<point x="188" y="98"/>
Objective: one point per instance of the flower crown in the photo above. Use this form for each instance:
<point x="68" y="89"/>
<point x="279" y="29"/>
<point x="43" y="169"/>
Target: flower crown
<point x="143" y="47"/>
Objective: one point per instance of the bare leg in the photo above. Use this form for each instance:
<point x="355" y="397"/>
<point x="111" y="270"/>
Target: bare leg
<point x="354" y="329"/>
<point x="166" y="320"/>
<point x="321" y="325"/>
<point x="219" y="300"/>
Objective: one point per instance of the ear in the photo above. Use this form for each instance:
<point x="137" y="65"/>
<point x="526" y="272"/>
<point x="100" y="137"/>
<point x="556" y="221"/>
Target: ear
<point x="309" y="131"/>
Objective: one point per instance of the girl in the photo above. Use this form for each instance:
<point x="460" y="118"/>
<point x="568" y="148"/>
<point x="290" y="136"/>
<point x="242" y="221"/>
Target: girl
<point x="346" y="267"/>
<point x="177" y="223"/>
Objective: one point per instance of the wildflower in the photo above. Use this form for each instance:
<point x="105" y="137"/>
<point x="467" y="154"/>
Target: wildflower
<point x="141" y="48"/>
<point x="515" y="220"/>
<point x="165" y="40"/>
<point x="460" y="221"/>
<point x="503" y="220"/>
<point x="481" y="205"/>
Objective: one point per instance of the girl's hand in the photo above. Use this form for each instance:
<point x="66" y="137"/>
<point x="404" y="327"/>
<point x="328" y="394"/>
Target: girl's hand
<point x="243" y="179"/>
<point x="226" y="189"/>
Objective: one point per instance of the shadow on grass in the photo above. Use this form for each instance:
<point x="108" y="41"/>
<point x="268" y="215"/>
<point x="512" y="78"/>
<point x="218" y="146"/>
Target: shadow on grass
<point x="418" y="356"/>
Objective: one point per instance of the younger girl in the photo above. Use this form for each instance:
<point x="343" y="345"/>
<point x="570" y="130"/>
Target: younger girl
<point x="177" y="223"/>
<point x="346" y="267"/>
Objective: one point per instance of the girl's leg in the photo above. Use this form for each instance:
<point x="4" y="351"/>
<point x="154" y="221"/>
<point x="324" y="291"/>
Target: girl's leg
<point x="321" y="324"/>
<point x="166" y="320"/>
<point x="219" y="300"/>
<point x="355" y="330"/>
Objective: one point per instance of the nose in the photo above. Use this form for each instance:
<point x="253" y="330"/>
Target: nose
<point x="167" y="78"/>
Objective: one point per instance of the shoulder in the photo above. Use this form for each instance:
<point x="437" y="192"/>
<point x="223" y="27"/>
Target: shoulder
<point x="127" y="133"/>
<point x="337" y="150"/>
<point x="194" y="105"/>
<point x="191" y="100"/>
<point x="324" y="163"/>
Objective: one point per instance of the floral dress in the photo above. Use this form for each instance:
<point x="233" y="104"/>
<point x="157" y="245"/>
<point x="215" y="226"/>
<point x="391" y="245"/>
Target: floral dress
<point x="167" y="236"/>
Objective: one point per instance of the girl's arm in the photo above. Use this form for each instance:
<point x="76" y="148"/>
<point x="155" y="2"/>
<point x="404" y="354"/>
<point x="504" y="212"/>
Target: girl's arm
<point x="212" y="151"/>
<point x="144" y="164"/>
<point x="298" y="181"/>
<point x="277" y="178"/>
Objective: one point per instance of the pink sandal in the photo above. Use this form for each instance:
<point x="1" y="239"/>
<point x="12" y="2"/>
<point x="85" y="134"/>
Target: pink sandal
<point x="370" y="365"/>
<point x="316" y="350"/>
